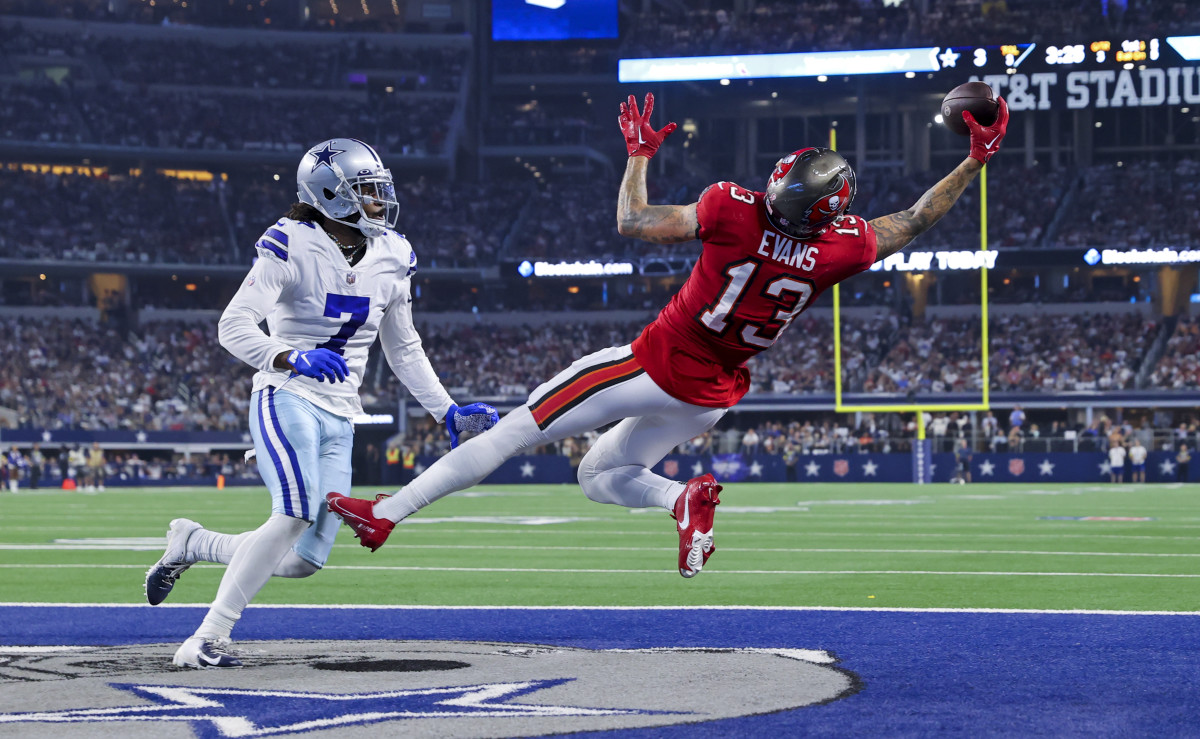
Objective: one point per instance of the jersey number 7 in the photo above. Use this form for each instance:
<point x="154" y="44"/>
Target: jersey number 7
<point x="782" y="289"/>
<point x="337" y="306"/>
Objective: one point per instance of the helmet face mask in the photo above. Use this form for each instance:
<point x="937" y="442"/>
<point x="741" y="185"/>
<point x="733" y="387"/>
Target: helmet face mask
<point x="808" y="190"/>
<point x="341" y="178"/>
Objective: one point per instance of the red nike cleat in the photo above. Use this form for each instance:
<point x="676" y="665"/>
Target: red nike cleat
<point x="356" y="513"/>
<point x="694" y="511"/>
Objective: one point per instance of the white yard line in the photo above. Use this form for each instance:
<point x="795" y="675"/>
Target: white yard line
<point x="836" y="609"/>
<point x="555" y="570"/>
<point x="137" y="547"/>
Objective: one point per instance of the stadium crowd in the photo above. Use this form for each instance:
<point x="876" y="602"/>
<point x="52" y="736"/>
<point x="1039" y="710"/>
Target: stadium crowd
<point x="449" y="225"/>
<point x="1167" y="198"/>
<point x="166" y="376"/>
<point x="1179" y="368"/>
<point x="171" y="375"/>
<point x="1028" y="353"/>
<point x="544" y="122"/>
<point x="79" y="218"/>
<point x="136" y="218"/>
<point x="265" y="63"/>
<point x="91" y="467"/>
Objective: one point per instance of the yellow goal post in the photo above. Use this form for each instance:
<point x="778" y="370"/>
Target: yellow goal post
<point x="919" y="408"/>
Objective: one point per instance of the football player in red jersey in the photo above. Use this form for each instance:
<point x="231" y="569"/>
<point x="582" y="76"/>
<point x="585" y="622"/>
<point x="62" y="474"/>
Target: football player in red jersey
<point x="766" y="256"/>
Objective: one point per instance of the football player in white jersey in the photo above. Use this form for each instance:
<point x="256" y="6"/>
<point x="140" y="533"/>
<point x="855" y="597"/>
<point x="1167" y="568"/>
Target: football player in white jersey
<point x="329" y="278"/>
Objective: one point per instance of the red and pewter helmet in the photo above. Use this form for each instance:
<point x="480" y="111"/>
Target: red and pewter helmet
<point x="808" y="190"/>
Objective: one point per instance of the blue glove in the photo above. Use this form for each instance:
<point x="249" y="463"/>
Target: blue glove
<point x="475" y="417"/>
<point x="319" y="364"/>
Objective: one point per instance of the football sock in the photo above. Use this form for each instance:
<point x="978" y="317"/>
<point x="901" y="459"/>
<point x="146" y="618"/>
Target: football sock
<point x="213" y="546"/>
<point x="252" y="565"/>
<point x="465" y="466"/>
<point x="632" y="486"/>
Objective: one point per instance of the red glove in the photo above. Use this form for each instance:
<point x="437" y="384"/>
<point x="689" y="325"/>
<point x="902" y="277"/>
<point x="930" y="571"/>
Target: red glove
<point x="640" y="137"/>
<point x="985" y="140"/>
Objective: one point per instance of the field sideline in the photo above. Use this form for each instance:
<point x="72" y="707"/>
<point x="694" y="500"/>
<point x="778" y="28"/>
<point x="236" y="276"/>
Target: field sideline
<point x="857" y="546"/>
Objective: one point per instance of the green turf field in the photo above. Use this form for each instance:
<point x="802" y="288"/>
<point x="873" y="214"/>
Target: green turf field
<point x="974" y="546"/>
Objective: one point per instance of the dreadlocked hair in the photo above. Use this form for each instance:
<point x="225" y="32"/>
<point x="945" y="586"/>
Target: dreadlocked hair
<point x="307" y="213"/>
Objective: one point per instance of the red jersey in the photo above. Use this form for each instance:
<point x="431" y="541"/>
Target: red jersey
<point x="750" y="283"/>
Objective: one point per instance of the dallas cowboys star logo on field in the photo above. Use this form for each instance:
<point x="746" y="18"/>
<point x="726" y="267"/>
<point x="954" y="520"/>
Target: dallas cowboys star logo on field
<point x="325" y="156"/>
<point x="756" y="469"/>
<point x="1105" y="468"/>
<point x="985" y="468"/>
<point x="869" y="469"/>
<point x="1046" y="468"/>
<point x="527" y="470"/>
<point x="1166" y="467"/>
<point x="812" y="469"/>
<point x="229" y="712"/>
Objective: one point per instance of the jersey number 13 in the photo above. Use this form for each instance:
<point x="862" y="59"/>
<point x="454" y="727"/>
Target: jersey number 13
<point x="793" y="293"/>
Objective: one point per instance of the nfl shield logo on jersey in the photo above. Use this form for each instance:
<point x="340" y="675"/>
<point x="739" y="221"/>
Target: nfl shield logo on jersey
<point x="841" y="467"/>
<point x="1016" y="467"/>
<point x="351" y="278"/>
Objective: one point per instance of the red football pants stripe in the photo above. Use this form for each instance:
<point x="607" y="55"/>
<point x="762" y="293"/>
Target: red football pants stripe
<point x="566" y="395"/>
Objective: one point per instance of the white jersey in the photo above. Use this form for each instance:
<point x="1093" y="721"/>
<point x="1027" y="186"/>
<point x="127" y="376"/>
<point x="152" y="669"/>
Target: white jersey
<point x="311" y="298"/>
<point x="1116" y="456"/>
<point x="1137" y="454"/>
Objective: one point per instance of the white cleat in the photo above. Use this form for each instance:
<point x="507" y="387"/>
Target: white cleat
<point x="203" y="653"/>
<point x="162" y="576"/>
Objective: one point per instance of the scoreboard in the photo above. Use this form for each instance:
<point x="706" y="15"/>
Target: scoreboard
<point x="1093" y="54"/>
<point x="1071" y="73"/>
<point x="1026" y="58"/>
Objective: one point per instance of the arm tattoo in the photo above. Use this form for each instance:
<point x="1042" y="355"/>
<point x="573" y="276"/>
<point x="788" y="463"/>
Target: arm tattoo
<point x="894" y="232"/>
<point x="659" y="224"/>
<point x="665" y="224"/>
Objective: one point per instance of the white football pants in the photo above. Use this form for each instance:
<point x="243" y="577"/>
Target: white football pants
<point x="597" y="390"/>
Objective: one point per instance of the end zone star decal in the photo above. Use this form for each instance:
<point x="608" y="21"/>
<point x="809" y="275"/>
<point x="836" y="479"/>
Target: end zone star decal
<point x="228" y="712"/>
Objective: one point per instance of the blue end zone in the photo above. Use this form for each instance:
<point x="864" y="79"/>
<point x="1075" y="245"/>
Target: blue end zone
<point x="922" y="673"/>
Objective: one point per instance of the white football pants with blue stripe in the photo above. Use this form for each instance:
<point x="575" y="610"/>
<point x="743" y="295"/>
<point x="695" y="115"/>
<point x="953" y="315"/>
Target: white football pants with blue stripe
<point x="303" y="452"/>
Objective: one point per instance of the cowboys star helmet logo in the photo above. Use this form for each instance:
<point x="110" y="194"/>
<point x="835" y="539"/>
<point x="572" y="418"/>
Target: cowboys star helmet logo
<point x="325" y="156"/>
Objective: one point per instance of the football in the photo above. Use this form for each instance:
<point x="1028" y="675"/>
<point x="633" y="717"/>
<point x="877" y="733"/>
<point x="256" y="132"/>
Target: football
<point x="976" y="97"/>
